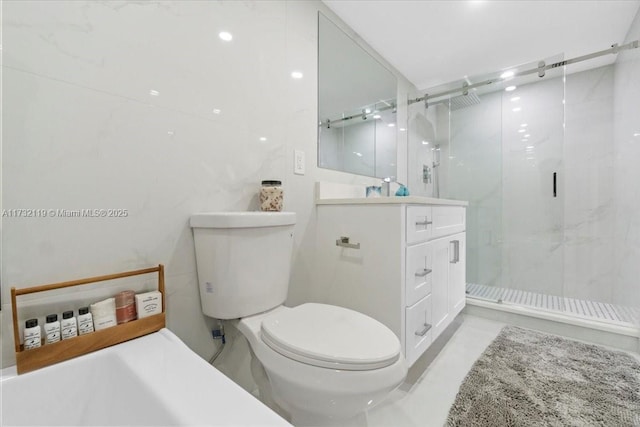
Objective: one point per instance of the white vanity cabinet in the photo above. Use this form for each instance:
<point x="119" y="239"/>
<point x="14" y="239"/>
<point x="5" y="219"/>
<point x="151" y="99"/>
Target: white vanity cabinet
<point x="400" y="263"/>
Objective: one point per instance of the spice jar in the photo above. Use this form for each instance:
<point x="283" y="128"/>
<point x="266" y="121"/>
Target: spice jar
<point x="271" y="196"/>
<point x="126" y="307"/>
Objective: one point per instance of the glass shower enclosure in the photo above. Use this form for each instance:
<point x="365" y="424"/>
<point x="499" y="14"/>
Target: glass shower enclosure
<point x="536" y="156"/>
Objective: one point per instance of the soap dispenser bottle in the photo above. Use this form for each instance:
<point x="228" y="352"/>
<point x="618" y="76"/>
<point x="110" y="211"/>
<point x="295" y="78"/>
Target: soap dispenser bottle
<point x="31" y="334"/>
<point x="52" y="329"/>
<point x="69" y="325"/>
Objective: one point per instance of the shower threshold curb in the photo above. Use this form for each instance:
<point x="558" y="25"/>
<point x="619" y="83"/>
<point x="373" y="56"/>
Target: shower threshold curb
<point x="614" y="335"/>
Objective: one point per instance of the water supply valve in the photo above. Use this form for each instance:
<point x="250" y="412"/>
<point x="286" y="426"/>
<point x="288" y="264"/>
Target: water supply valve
<point x="218" y="332"/>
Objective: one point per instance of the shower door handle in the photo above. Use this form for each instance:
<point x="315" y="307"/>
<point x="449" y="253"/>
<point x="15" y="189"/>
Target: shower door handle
<point x="555" y="182"/>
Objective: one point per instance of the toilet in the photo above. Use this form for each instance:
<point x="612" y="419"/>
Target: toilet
<point x="319" y="364"/>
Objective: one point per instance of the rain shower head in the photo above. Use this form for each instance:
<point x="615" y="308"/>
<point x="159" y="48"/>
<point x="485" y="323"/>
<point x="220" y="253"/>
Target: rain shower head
<point x="463" y="101"/>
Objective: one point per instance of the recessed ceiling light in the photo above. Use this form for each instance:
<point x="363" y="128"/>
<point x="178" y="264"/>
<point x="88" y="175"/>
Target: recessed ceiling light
<point x="425" y="142"/>
<point x="506" y="75"/>
<point x="510" y="88"/>
<point x="296" y="74"/>
<point x="377" y="116"/>
<point x="521" y="130"/>
<point x="263" y="139"/>
<point x="515" y="110"/>
<point x="515" y="98"/>
<point x="523" y="125"/>
<point x="391" y="125"/>
<point x="401" y="129"/>
<point x="226" y="36"/>
<point x="527" y="136"/>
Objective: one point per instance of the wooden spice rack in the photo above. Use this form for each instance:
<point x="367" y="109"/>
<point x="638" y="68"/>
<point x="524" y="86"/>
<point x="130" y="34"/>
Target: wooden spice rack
<point x="45" y="355"/>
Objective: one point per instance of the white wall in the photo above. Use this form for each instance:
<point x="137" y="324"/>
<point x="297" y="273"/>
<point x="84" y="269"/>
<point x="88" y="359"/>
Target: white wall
<point x="83" y="129"/>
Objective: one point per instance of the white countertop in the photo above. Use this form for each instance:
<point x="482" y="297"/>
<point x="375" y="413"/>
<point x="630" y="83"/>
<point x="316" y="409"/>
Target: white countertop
<point x="410" y="200"/>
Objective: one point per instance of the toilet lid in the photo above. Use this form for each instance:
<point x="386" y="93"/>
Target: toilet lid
<point x="331" y="337"/>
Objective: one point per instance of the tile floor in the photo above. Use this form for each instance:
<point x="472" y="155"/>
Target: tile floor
<point x="426" y="402"/>
<point x="425" y="398"/>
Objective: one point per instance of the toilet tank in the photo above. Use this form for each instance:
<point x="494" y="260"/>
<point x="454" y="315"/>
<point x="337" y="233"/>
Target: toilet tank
<point x="243" y="261"/>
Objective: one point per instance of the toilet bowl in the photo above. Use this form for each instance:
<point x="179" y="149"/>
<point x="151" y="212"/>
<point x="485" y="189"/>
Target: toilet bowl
<point x="325" y="364"/>
<point x="319" y="364"/>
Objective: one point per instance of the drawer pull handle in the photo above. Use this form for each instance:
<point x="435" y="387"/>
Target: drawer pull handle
<point x="424" y="331"/>
<point x="424" y="272"/>
<point x="344" y="242"/>
<point x="424" y="222"/>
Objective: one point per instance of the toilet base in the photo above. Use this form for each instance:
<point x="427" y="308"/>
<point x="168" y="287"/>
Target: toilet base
<point x="295" y="416"/>
<point x="306" y="394"/>
<point x="264" y="387"/>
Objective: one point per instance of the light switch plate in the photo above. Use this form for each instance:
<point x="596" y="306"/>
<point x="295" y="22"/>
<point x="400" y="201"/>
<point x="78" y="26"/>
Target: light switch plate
<point x="298" y="162"/>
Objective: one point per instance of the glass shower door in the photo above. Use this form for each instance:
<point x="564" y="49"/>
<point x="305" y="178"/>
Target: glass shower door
<point x="499" y="147"/>
<point x="473" y="160"/>
<point x="532" y="196"/>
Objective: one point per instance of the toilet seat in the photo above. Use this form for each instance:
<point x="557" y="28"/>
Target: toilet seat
<point x="333" y="337"/>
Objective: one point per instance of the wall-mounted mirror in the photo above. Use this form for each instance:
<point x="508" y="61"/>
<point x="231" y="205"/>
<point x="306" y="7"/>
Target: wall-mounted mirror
<point x="356" y="107"/>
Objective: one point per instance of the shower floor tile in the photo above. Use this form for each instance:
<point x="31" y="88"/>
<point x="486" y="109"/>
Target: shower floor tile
<point x="577" y="307"/>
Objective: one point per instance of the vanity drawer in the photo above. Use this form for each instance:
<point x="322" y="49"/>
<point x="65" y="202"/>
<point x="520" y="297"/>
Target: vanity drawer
<point x="447" y="220"/>
<point x="418" y="329"/>
<point x="419" y="224"/>
<point x="418" y="272"/>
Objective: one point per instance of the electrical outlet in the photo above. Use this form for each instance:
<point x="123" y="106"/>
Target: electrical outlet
<point x="298" y="162"/>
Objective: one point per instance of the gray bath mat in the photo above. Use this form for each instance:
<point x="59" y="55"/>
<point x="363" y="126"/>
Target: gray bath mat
<point x="528" y="378"/>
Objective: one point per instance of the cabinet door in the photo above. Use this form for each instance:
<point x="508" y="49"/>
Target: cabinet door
<point x="457" y="273"/>
<point x="440" y="285"/>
